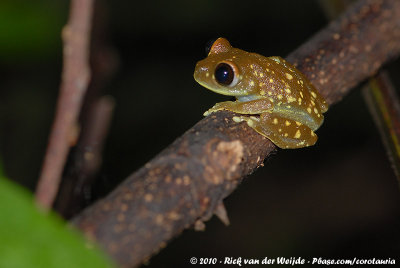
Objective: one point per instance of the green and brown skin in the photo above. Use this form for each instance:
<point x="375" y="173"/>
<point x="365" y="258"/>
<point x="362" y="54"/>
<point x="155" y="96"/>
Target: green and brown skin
<point x="274" y="98"/>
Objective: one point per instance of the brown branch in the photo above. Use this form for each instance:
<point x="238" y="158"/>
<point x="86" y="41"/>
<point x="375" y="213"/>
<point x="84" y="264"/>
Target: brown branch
<point x="87" y="158"/>
<point x="188" y="181"/>
<point x="75" y="78"/>
<point x="96" y="114"/>
<point x="381" y="99"/>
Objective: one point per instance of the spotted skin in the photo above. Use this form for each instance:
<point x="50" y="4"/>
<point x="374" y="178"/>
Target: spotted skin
<point x="273" y="97"/>
<point x="285" y="133"/>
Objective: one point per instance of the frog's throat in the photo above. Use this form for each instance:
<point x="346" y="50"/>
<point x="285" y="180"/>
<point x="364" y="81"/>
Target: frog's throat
<point x="247" y="98"/>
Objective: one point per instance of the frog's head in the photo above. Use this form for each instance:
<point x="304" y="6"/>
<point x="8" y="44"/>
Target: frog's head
<point x="221" y="71"/>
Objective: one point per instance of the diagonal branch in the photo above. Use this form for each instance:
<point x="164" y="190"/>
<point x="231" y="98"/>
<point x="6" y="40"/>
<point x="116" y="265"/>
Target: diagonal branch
<point x="187" y="182"/>
<point x="75" y="78"/>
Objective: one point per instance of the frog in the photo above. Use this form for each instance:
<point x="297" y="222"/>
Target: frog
<point x="272" y="96"/>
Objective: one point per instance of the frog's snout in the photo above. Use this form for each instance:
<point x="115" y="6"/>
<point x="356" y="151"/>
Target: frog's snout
<point x="201" y="72"/>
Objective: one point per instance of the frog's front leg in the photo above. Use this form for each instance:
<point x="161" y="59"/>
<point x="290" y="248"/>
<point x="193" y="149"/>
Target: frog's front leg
<point x="249" y="107"/>
<point x="284" y="133"/>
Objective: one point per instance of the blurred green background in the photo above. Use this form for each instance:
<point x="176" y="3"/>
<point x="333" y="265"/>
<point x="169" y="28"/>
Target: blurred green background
<point x="339" y="198"/>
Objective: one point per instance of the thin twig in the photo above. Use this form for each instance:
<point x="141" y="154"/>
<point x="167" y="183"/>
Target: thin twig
<point x="75" y="192"/>
<point x="188" y="181"/>
<point x="75" y="78"/>
<point x="85" y="159"/>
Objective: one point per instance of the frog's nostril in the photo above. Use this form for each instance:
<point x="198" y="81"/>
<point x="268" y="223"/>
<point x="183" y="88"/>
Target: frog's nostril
<point x="203" y="69"/>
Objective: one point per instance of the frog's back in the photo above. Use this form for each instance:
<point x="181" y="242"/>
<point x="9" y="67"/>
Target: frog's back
<point x="298" y="80"/>
<point x="292" y="93"/>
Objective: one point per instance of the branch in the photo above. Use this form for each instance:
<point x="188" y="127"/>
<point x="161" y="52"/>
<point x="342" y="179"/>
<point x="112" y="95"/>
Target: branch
<point x="85" y="159"/>
<point x="187" y="182"/>
<point x="75" y="78"/>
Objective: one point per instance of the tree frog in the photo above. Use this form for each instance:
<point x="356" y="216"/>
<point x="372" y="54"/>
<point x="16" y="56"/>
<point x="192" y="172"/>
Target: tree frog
<point x="272" y="96"/>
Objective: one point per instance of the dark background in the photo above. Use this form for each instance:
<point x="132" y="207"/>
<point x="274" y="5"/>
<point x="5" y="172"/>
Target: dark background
<point x="338" y="199"/>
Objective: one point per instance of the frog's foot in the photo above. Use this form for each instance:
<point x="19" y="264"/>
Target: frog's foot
<point x="284" y="133"/>
<point x="226" y="105"/>
<point x="256" y="106"/>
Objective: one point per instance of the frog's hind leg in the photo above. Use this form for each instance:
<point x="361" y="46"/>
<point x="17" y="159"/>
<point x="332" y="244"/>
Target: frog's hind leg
<point x="284" y="133"/>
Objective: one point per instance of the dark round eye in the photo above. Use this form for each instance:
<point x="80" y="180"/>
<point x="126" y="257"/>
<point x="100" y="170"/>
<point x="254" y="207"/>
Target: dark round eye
<point x="209" y="45"/>
<point x="224" y="74"/>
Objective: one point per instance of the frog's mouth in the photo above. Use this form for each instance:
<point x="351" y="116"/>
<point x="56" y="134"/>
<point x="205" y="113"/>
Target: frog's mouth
<point x="204" y="78"/>
<point x="222" y="90"/>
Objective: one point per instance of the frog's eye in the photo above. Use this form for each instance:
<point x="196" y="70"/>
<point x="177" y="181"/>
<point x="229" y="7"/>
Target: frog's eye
<point x="226" y="74"/>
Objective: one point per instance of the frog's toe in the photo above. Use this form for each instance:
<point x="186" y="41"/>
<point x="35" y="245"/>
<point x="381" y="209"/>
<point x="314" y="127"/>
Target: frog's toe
<point x="212" y="110"/>
<point x="239" y="119"/>
<point x="252" y="121"/>
<point x="218" y="107"/>
<point x="207" y="113"/>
